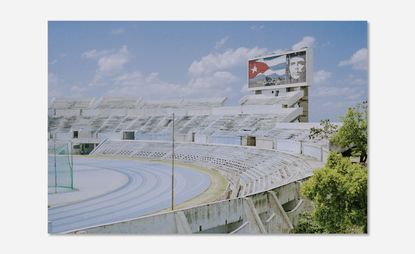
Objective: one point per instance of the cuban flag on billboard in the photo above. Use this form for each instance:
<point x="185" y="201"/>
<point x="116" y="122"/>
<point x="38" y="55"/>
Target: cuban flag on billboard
<point x="271" y="66"/>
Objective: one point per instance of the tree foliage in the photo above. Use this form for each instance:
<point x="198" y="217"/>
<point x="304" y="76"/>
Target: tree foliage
<point x="339" y="195"/>
<point x="353" y="132"/>
<point x="306" y="225"/>
<point x="326" y="131"/>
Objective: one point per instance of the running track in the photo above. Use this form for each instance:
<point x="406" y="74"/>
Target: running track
<point x="147" y="190"/>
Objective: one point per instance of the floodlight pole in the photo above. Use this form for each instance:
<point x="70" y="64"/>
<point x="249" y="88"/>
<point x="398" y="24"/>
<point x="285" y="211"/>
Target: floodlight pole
<point x="54" y="163"/>
<point x="172" y="169"/>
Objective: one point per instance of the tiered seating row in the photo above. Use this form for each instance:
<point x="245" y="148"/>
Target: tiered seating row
<point x="282" y="99"/>
<point x="249" y="170"/>
<point x="209" y="125"/>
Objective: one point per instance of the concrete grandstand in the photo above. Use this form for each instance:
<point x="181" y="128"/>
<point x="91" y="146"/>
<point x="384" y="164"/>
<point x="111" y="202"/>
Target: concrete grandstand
<point x="261" y="147"/>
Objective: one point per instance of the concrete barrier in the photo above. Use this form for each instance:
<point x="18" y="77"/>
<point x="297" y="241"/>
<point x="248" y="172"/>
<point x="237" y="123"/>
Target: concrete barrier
<point x="312" y="150"/>
<point x="315" y="151"/>
<point x="261" y="213"/>
<point x="288" y="146"/>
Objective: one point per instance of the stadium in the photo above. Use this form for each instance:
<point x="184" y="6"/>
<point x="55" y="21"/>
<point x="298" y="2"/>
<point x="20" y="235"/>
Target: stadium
<point x="129" y="165"/>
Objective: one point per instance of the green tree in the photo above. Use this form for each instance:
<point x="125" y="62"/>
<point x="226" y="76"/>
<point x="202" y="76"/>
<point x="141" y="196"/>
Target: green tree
<point x="326" y="130"/>
<point x="353" y="132"/>
<point x="339" y="195"/>
<point x="306" y="225"/>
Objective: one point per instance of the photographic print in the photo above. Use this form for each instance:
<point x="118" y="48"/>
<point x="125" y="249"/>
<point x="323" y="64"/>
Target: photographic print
<point x="207" y="127"/>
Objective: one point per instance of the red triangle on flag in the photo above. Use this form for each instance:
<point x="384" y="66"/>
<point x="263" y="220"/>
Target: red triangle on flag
<point x="256" y="68"/>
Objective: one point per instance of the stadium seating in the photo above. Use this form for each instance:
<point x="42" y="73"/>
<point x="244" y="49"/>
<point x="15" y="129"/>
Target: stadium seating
<point x="205" y="116"/>
<point x="117" y="103"/>
<point x="249" y="170"/>
<point x="288" y="98"/>
<point x="71" y="103"/>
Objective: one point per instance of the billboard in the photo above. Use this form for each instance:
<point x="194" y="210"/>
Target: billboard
<point x="279" y="69"/>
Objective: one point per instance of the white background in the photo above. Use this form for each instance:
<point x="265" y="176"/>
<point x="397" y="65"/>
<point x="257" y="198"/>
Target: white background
<point x="23" y="80"/>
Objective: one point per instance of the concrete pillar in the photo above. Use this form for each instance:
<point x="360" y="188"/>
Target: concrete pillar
<point x="277" y="208"/>
<point x="252" y="217"/>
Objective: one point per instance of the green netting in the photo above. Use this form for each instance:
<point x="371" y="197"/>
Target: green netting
<point x="60" y="168"/>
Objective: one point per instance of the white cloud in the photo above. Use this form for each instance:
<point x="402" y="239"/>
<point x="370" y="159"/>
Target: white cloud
<point x="214" y="80"/>
<point x="109" y="63"/>
<point x="140" y="84"/>
<point x="151" y="86"/>
<point x="113" y="62"/>
<point x="117" y="31"/>
<point x="94" y="54"/>
<point x="321" y="76"/>
<point x="358" y="61"/>
<point x="224" y="61"/>
<point x="219" y="44"/>
<point x="307" y="41"/>
<point x="213" y="84"/>
<point x="212" y="76"/>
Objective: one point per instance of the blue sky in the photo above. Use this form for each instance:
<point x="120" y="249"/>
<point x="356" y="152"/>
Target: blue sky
<point x="170" y="60"/>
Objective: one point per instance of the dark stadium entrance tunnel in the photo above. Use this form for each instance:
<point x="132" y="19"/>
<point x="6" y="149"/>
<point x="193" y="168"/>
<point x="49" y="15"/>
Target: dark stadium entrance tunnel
<point x="128" y="135"/>
<point x="84" y="148"/>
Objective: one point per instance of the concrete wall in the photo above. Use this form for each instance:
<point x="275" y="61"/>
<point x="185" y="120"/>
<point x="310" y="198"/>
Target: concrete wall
<point x="261" y="213"/>
<point x="264" y="142"/>
<point x="227" y="140"/>
<point x="312" y="150"/>
<point x="211" y="216"/>
<point x="288" y="146"/>
<point x="159" y="224"/>
<point x="302" y="206"/>
<point x="200" y="139"/>
<point x="109" y="135"/>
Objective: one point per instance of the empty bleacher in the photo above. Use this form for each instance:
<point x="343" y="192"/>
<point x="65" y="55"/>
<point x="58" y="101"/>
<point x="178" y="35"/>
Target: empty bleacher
<point x="249" y="170"/>
<point x="71" y="103"/>
<point x="115" y="114"/>
<point x="118" y="103"/>
<point x="283" y="99"/>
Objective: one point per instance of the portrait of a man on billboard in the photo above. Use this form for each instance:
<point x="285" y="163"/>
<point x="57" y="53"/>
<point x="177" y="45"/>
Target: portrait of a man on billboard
<point x="297" y="67"/>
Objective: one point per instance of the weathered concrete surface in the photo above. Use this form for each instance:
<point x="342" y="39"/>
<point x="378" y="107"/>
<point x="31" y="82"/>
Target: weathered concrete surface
<point x="255" y="224"/>
<point x="281" y="222"/>
<point x="182" y="225"/>
<point x="260" y="213"/>
<point x="214" y="215"/>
